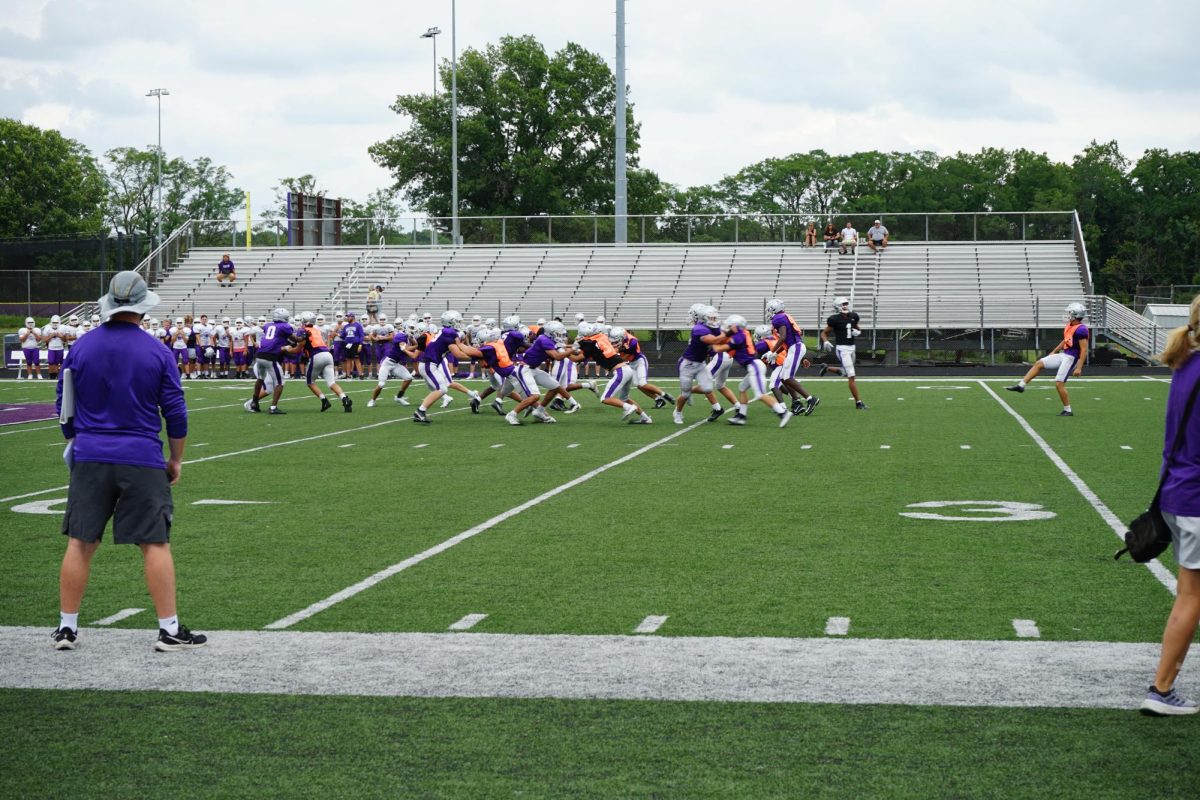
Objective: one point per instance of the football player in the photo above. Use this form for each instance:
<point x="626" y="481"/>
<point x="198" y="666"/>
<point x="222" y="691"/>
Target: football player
<point x="320" y="362"/>
<point x="601" y="347"/>
<point x="30" y="336"/>
<point x="693" y="366"/>
<point x="178" y="335"/>
<point x="268" y="374"/>
<point x="203" y="336"/>
<point x="746" y="352"/>
<point x="514" y="374"/>
<point x="1067" y="358"/>
<point x="790" y="335"/>
<point x="393" y="364"/>
<point x="631" y="350"/>
<point x="843" y="325"/>
<point x="55" y="336"/>
<point x="431" y="365"/>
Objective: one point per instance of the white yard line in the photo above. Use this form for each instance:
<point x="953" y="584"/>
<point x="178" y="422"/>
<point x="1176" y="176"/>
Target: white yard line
<point x="1026" y="629"/>
<point x="1026" y="673"/>
<point x="837" y="626"/>
<point x="400" y="566"/>
<point x="650" y="624"/>
<point x="468" y="622"/>
<point x="1160" y="572"/>
<point x="124" y="613"/>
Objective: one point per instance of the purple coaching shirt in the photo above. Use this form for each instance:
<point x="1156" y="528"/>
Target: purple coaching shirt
<point x="123" y="379"/>
<point x="1181" y="490"/>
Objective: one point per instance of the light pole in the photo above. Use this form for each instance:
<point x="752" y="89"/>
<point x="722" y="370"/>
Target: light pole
<point x="432" y="33"/>
<point x="454" y="234"/>
<point x="621" y="230"/>
<point x="159" y="93"/>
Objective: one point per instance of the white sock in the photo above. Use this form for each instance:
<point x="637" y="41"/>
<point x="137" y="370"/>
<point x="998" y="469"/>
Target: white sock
<point x="1022" y="383"/>
<point x="628" y="407"/>
<point x="66" y="620"/>
<point x="274" y="407"/>
<point x="778" y="409"/>
<point x="1067" y="407"/>
<point x="716" y="406"/>
<point x="320" y="397"/>
<point x="474" y="395"/>
<point x="169" y="624"/>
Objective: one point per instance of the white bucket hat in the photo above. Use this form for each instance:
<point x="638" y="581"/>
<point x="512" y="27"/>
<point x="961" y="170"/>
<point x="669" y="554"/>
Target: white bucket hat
<point x="127" y="292"/>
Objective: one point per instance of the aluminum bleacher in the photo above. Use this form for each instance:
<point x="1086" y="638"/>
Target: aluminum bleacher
<point x="910" y="285"/>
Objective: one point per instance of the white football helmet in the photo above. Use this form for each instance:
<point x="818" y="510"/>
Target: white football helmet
<point x="491" y="334"/>
<point x="451" y="319"/>
<point x="339" y="315"/>
<point x="526" y="334"/>
<point x="555" y="329"/>
<point x="480" y="335"/>
<point x="1076" y="311"/>
<point x="239" y="322"/>
<point x="413" y="328"/>
<point x="712" y="317"/>
<point x="841" y="304"/>
<point x="262" y="320"/>
<point x="696" y="313"/>
<point x="600" y="319"/>
<point x="56" y="319"/>
<point x="154" y="322"/>
<point x="761" y="332"/>
<point x="775" y="306"/>
<point x="74" y="319"/>
<point x="510" y="323"/>
<point x="475" y="320"/>
<point x="225" y="320"/>
<point x="734" y="321"/>
<point x="280" y="315"/>
<point x="541" y="322"/>
<point x="95" y="319"/>
<point x="179" y="322"/>
<point x="585" y="329"/>
<point x="579" y="318"/>
<point x="382" y="318"/>
<point x="490" y="322"/>
<point x="308" y="318"/>
<point x="616" y="335"/>
<point x="29" y="322"/>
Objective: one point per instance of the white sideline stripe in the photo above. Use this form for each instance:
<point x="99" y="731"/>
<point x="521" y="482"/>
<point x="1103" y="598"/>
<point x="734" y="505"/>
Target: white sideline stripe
<point x="1026" y="629"/>
<point x="400" y="566"/>
<point x="27" y="430"/>
<point x="650" y="624"/>
<point x="837" y="626"/>
<point x="468" y="622"/>
<point x="256" y="449"/>
<point x="1013" y="673"/>
<point x="22" y="422"/>
<point x="124" y="613"/>
<point x="1160" y="572"/>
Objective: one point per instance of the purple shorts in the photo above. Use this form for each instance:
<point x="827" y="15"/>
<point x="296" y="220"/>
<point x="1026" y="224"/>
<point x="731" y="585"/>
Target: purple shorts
<point x="32" y="357"/>
<point x="181" y="355"/>
<point x="200" y="357"/>
<point x="223" y="356"/>
<point x="239" y="358"/>
<point x="54" y="356"/>
<point x="339" y="349"/>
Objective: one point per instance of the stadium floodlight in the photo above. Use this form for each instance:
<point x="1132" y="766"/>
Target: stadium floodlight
<point x="159" y="93"/>
<point x="432" y="33"/>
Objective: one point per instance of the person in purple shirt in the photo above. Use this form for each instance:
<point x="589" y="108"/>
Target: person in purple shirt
<point x="693" y="366"/>
<point x="268" y="374"/>
<point x="226" y="271"/>
<point x="431" y="365"/>
<point x="114" y="385"/>
<point x="1067" y="358"/>
<point x="392" y="364"/>
<point x="789" y="335"/>
<point x="1180" y="506"/>
<point x="542" y="348"/>
<point x="514" y="342"/>
<point x="744" y="351"/>
<point x="352" y="335"/>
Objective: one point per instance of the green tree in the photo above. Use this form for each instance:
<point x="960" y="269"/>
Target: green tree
<point x="535" y="136"/>
<point x="48" y="184"/>
<point x="197" y="190"/>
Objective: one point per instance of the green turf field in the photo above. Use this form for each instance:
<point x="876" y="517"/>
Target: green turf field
<point x="722" y="531"/>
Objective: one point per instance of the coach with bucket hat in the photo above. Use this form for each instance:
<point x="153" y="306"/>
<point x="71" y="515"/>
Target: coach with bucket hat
<point x="115" y="384"/>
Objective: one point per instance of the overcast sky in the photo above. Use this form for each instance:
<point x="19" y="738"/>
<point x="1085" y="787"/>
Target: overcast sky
<point x="273" y="89"/>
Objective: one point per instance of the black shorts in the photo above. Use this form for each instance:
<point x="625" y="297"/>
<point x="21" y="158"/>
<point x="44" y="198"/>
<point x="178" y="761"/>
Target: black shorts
<point x="351" y="350"/>
<point x="136" y="499"/>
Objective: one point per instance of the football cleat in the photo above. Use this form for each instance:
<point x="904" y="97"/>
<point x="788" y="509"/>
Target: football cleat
<point x="420" y="416"/>
<point x="475" y="401"/>
<point x="277" y="411"/>
<point x="63" y="639"/>
<point x="660" y="401"/>
<point x="571" y="409"/>
<point x="813" y="402"/>
<point x="326" y="405"/>
<point x="347" y="403"/>
<point x="797" y="407"/>
<point x="512" y="418"/>
<point x="716" y="414"/>
<point x="499" y="406"/>
<point x="370" y="404"/>
<point x="860" y="405"/>
<point x="446" y="401"/>
<point x="737" y="419"/>
<point x="403" y="401"/>
<point x="1016" y="387"/>
<point x="824" y="369"/>
<point x="785" y="418"/>
<point x="1065" y="413"/>
<point x="677" y="417"/>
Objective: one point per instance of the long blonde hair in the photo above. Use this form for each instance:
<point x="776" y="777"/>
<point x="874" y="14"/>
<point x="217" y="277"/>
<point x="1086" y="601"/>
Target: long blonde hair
<point x="1183" y="341"/>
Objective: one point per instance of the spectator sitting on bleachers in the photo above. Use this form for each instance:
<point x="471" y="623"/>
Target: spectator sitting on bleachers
<point x="849" y="239"/>
<point x="226" y="271"/>
<point x="810" y="235"/>
<point x="831" y="236"/>
<point x="373" y="295"/>
<point x="877" y="237"/>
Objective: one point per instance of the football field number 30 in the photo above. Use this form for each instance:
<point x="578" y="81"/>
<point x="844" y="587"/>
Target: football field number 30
<point x="980" y="511"/>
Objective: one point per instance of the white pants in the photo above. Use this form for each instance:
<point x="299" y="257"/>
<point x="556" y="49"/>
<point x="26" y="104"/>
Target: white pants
<point x="720" y="366"/>
<point x="618" y="384"/>
<point x="638" y="367"/>
<point x="392" y="369"/>
<point x="790" y="366"/>
<point x="436" y="376"/>
<point x="565" y="372"/>
<point x="845" y="356"/>
<point x="544" y="379"/>
<point x="321" y="366"/>
<point x="755" y="382"/>
<point x="523" y="380"/>
<point x="270" y="373"/>
<point x="1061" y="362"/>
<point x="694" y="372"/>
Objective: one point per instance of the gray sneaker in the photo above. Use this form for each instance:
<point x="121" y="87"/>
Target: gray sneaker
<point x="1170" y="704"/>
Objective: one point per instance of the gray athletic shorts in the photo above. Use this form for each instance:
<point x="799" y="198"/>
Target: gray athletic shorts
<point x="1185" y="535"/>
<point x="136" y="499"/>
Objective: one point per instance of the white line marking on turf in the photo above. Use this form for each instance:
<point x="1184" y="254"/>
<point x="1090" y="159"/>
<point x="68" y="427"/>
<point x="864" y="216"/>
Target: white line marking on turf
<point x="1126" y="447"/>
<point x="1157" y="569"/>
<point x="468" y="622"/>
<point x="650" y="624"/>
<point x="806" y="447"/>
<point x="351" y="444"/>
<point x="419" y="446"/>
<point x="726" y="447"/>
<point x="885" y="447"/>
<point x="964" y="447"/>
<point x="501" y="444"/>
<point x="837" y="626"/>
<point x="124" y="613"/>
<point x="215" y="502"/>
<point x="400" y="566"/>
<point x="50" y="427"/>
<point x="1026" y="629"/>
<point x="1001" y="674"/>
<point x="570" y="446"/>
<point x="34" y="494"/>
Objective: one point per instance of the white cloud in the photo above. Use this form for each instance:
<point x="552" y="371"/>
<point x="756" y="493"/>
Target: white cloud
<point x="272" y="90"/>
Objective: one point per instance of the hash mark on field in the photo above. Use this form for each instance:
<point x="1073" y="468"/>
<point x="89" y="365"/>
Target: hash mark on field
<point x="1026" y="629"/>
<point x="200" y="444"/>
<point x="124" y="613"/>
<point x="1126" y="447"/>
<point x="468" y="622"/>
<point x="885" y="447"/>
<point x="419" y="446"/>
<point x="837" y="626"/>
<point x="497" y="445"/>
<point x="570" y="446"/>
<point x="899" y="398"/>
<point x="806" y="447"/>
<point x="964" y="447"/>
<point x="650" y="624"/>
<point x="726" y="447"/>
<point x="343" y="446"/>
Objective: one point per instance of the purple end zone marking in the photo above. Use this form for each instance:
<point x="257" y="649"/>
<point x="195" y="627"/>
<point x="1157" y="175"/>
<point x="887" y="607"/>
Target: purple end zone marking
<point x="11" y="414"/>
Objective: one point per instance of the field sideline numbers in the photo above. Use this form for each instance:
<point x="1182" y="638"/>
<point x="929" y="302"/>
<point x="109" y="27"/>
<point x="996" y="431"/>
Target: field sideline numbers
<point x="983" y="511"/>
